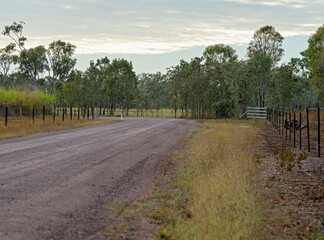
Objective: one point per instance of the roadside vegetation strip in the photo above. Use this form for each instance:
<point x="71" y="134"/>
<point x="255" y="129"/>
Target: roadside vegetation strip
<point x="25" y="127"/>
<point x="215" y="190"/>
<point x="25" y="98"/>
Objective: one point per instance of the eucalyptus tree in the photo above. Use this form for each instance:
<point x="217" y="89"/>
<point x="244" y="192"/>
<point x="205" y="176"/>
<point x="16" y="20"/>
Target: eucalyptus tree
<point x="304" y="92"/>
<point x="15" y="32"/>
<point x="242" y="88"/>
<point x="197" y="85"/>
<point x="315" y="56"/>
<point x="219" y="62"/>
<point x="155" y="88"/>
<point x="102" y="65"/>
<point x="282" y="87"/>
<point x="265" y="50"/>
<point x="33" y="62"/>
<point x="7" y="58"/>
<point x="96" y="75"/>
<point x="178" y="78"/>
<point x="267" y="41"/>
<point x="143" y="98"/>
<point x="120" y="84"/>
<point x="73" y="91"/>
<point x="60" y="62"/>
<point x="260" y="66"/>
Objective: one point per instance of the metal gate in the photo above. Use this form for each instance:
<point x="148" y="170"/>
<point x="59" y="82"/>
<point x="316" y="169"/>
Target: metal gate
<point x="255" y="113"/>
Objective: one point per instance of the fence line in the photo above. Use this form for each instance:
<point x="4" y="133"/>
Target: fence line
<point x="10" y="113"/>
<point x="302" y="129"/>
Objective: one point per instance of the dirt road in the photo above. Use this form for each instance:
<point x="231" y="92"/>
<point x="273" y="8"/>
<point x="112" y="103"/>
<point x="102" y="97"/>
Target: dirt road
<point x="52" y="186"/>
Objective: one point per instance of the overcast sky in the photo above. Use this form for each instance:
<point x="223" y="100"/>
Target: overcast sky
<point x="156" y="34"/>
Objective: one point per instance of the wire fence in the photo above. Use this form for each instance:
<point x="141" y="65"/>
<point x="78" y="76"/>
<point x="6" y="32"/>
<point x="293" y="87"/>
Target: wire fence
<point x="152" y="113"/>
<point x="15" y="113"/>
<point x="303" y="129"/>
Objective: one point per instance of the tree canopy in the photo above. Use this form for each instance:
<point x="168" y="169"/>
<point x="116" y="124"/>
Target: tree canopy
<point x="315" y="56"/>
<point x="214" y="85"/>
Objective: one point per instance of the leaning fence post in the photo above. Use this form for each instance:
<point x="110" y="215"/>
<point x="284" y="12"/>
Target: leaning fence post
<point x="308" y="141"/>
<point x="6" y="116"/>
<point x="300" y="131"/>
<point x="319" y="131"/>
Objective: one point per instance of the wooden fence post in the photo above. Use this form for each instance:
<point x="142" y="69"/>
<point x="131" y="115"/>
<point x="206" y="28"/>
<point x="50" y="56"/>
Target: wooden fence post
<point x="63" y="115"/>
<point x="300" y="131"/>
<point x="6" y="116"/>
<point x="289" y="126"/>
<point x="20" y="112"/>
<point x="78" y="113"/>
<point x="33" y="115"/>
<point x="286" y="125"/>
<point x="54" y="112"/>
<point x="278" y="122"/>
<point x="308" y="141"/>
<point x="319" y="131"/>
<point x="283" y="123"/>
<point x="43" y="113"/>
<point x="294" y="130"/>
<point x="71" y="113"/>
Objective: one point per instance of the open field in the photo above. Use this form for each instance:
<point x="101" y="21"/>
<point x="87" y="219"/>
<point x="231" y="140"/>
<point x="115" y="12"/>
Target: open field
<point x="25" y="127"/>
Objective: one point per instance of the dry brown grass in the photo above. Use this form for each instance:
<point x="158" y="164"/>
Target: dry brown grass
<point x="218" y="180"/>
<point x="25" y="127"/>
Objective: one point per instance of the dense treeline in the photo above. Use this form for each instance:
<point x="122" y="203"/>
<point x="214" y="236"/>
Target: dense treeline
<point x="216" y="84"/>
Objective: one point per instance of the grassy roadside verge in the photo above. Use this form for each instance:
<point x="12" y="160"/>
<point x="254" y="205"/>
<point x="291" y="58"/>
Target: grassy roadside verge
<point x="214" y="194"/>
<point x="24" y="127"/>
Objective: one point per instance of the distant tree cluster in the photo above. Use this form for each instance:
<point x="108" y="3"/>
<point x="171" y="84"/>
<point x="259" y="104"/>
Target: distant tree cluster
<point x="215" y="85"/>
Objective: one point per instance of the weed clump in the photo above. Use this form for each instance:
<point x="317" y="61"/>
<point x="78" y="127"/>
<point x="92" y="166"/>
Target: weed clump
<point x="288" y="160"/>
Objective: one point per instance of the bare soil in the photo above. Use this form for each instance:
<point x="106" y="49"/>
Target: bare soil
<point x="292" y="186"/>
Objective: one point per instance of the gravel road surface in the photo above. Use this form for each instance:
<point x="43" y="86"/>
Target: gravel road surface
<point x="53" y="185"/>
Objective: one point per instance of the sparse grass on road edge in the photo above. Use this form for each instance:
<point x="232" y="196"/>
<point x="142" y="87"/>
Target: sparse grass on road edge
<point x="25" y="127"/>
<point x="214" y="195"/>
